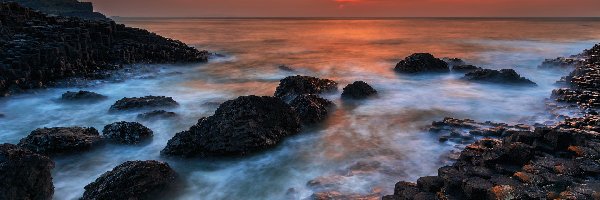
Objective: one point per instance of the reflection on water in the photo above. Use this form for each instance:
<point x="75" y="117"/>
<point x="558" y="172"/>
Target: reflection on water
<point x="364" y="147"/>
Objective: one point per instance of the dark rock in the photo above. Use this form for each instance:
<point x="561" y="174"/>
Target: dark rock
<point x="143" y="103"/>
<point x="358" y="90"/>
<point x="559" y="62"/>
<point x="311" y="109"/>
<point x="430" y="183"/>
<point x="421" y="62"/>
<point x="82" y="96"/>
<point x="2" y="115"/>
<point x="239" y="127"/>
<point x="285" y="68"/>
<point x="454" y="61"/>
<point x="133" y="180"/>
<point x="464" y="68"/>
<point x="504" y="76"/>
<point x="68" y="8"/>
<point x="24" y="174"/>
<point x="292" y="86"/>
<point x="157" y="114"/>
<point x="127" y="132"/>
<point x="61" y="140"/>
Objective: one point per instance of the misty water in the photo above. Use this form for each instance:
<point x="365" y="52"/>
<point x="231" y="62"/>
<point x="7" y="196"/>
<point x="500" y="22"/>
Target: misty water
<point x="364" y="147"/>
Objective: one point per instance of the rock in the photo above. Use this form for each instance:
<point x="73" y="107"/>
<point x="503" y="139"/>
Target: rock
<point x="465" y="68"/>
<point x="82" y="96"/>
<point x="292" y="86"/>
<point x="358" y="90"/>
<point x="286" y="68"/>
<point x="430" y="183"/>
<point x="311" y="109"/>
<point x="504" y="76"/>
<point x="61" y="140"/>
<point x="157" y="114"/>
<point x="127" y="132"/>
<point x="68" y="8"/>
<point x="133" y="180"/>
<point x="239" y="127"/>
<point x="146" y="102"/>
<point x="454" y="61"/>
<point x="24" y="174"/>
<point x="421" y="62"/>
<point x="2" y="115"/>
<point x="559" y="62"/>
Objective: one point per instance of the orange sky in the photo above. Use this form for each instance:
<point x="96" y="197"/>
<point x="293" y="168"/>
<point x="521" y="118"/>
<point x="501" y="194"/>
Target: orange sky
<point x="349" y="8"/>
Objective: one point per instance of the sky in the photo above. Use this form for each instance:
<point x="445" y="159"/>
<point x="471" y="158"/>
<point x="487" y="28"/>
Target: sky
<point x="349" y="8"/>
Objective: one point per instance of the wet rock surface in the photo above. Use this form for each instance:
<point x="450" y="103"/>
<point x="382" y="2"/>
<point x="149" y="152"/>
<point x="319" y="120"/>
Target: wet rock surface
<point x="60" y="140"/>
<point x="311" y="109"/>
<point x="464" y="68"/>
<point x="503" y="76"/>
<point x="292" y="86"/>
<point x="68" y="8"/>
<point x="24" y="174"/>
<point x="127" y="132"/>
<point x="82" y="96"/>
<point x="454" y="61"/>
<point x="421" y="62"/>
<point x="560" y="63"/>
<point x="358" y="90"/>
<point x="157" y="114"/>
<point x="40" y="50"/>
<point x="239" y="127"/>
<point x="582" y="86"/>
<point x="133" y="180"/>
<point x="147" y="102"/>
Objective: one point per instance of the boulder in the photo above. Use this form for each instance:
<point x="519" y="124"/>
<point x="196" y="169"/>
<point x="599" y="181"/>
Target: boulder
<point x="311" y="108"/>
<point x="503" y="76"/>
<point x="24" y="174"/>
<point x="82" y="96"/>
<point x="61" y="140"/>
<point x="358" y="90"/>
<point x="133" y="180"/>
<point x="239" y="127"/>
<point x="157" y="114"/>
<point x="464" y="68"/>
<point x="126" y="132"/>
<point x="292" y="86"/>
<point x="421" y="62"/>
<point x="146" y="102"/>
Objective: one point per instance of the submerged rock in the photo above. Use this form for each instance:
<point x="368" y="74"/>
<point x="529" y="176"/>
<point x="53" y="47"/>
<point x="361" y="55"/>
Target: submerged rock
<point x="24" y="174"/>
<point x="504" y="76"/>
<point x="239" y="127"/>
<point x="464" y="68"/>
<point x="358" y="90"/>
<point x="157" y="114"/>
<point x="133" y="180"/>
<point x="61" y="140"/>
<point x="143" y="103"/>
<point x="311" y="108"/>
<point x="421" y="62"/>
<point x="292" y="86"/>
<point x="127" y="132"/>
<point x="82" y="96"/>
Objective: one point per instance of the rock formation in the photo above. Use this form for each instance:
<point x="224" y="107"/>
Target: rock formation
<point x="420" y="63"/>
<point x="59" y="140"/>
<point x="127" y="132"/>
<point x="24" y="174"/>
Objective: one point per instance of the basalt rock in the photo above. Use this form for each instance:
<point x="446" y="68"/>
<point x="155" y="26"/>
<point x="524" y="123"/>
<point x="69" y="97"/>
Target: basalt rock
<point x="24" y="174"/>
<point x="60" y="140"/>
<point x="311" y="109"/>
<point x="146" y="102"/>
<point x="239" y="127"/>
<point x="560" y="62"/>
<point x="503" y="76"/>
<point x="464" y="68"/>
<point x="454" y="61"/>
<point x="583" y="84"/>
<point x="67" y="8"/>
<point x="40" y="50"/>
<point x="127" y="132"/>
<point x="421" y="62"/>
<point x="157" y="114"/>
<point x="82" y="96"/>
<point x="358" y="90"/>
<point x="292" y="86"/>
<point x="133" y="180"/>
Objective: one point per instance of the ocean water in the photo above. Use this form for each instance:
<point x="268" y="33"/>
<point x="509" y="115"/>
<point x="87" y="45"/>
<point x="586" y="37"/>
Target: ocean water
<point x="363" y="148"/>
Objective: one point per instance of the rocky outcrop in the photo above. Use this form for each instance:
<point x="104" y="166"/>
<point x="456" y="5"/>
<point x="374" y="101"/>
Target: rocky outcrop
<point x="133" y="180"/>
<point x="420" y="63"/>
<point x="147" y="102"/>
<point x="454" y="61"/>
<point x="82" y="96"/>
<point x="311" y="109"/>
<point x="583" y="84"/>
<point x="292" y="86"/>
<point x="157" y="114"/>
<point x="464" y="68"/>
<point x="24" y="174"/>
<point x="40" y="50"/>
<point x="560" y="63"/>
<point x="239" y="127"/>
<point x="60" y="140"/>
<point x="68" y="8"/>
<point x="503" y="76"/>
<point x="127" y="132"/>
<point x="358" y="90"/>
